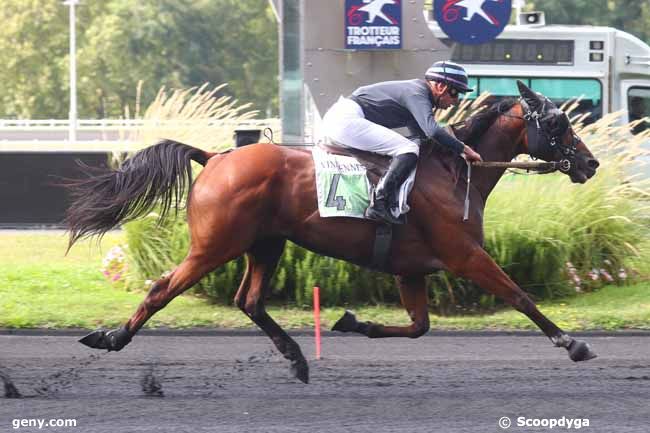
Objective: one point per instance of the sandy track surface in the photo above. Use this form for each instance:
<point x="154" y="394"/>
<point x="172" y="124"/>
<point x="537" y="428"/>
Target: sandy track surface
<point x="240" y="384"/>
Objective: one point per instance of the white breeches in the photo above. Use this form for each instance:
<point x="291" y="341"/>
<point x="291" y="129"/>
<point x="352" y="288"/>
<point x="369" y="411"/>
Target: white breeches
<point x="345" y="124"/>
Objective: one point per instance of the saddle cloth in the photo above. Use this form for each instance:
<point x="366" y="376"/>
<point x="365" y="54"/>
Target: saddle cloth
<point x="343" y="184"/>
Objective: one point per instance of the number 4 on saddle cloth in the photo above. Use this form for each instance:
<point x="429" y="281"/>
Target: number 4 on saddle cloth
<point x="345" y="178"/>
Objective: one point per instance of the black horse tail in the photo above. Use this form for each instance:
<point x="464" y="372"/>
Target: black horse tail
<point x="156" y="176"/>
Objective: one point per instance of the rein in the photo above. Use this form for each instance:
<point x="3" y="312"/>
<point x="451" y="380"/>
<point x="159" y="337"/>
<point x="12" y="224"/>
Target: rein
<point x="531" y="118"/>
<point x="526" y="165"/>
<point x="543" y="167"/>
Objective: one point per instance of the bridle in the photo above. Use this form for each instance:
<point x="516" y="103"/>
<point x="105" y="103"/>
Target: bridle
<point x="545" y="143"/>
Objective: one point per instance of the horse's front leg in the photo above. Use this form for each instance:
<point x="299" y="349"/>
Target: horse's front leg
<point x="481" y="269"/>
<point x="414" y="297"/>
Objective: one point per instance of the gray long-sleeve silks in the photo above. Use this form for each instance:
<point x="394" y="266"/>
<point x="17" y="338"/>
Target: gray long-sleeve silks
<point x="408" y="103"/>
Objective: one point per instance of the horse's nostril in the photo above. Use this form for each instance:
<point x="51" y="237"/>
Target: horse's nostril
<point x="593" y="163"/>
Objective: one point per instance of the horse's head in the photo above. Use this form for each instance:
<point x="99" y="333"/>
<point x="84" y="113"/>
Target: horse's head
<point x="550" y="136"/>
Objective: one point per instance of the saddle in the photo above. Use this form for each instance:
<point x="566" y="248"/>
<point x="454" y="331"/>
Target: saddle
<point x="375" y="167"/>
<point x="375" y="164"/>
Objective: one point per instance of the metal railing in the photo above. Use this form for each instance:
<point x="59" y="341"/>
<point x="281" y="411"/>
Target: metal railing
<point x="122" y="124"/>
<point x="45" y="135"/>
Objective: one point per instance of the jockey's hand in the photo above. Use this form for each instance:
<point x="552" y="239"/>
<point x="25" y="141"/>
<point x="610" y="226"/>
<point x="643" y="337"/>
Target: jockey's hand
<point x="470" y="155"/>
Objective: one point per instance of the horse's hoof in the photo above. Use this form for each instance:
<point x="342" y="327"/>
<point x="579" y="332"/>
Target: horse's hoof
<point x="300" y="370"/>
<point x="112" y="340"/>
<point x="347" y="323"/>
<point x="580" y="351"/>
<point x="95" y="340"/>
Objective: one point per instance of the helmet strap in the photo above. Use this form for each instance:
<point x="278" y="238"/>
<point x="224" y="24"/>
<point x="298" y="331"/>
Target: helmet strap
<point x="436" y="95"/>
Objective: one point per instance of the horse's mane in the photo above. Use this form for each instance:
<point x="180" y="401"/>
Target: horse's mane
<point x="473" y="128"/>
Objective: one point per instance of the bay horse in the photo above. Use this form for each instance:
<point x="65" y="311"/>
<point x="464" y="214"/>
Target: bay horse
<point x="251" y="200"/>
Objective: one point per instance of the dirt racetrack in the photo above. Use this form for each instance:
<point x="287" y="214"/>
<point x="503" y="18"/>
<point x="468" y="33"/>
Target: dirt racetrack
<point x="238" y="383"/>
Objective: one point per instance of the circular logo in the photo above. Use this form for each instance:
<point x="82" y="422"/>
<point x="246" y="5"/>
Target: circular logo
<point x="504" y="422"/>
<point x="472" y="21"/>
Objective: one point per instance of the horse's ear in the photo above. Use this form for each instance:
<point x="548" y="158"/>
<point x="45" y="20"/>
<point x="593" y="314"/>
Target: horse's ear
<point x="531" y="98"/>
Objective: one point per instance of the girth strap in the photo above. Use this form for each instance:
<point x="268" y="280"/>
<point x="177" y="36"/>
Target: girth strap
<point x="383" y="239"/>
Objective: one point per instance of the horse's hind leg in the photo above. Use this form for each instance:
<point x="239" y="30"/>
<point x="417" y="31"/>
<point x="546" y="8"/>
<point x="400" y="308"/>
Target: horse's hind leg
<point x="244" y="285"/>
<point x="188" y="273"/>
<point x="414" y="296"/>
<point x="263" y="258"/>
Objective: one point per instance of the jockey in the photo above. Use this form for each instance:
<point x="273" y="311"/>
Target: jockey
<point x="366" y="119"/>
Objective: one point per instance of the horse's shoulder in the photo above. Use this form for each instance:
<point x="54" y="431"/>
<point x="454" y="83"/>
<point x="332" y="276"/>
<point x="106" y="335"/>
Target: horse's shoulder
<point x="437" y="159"/>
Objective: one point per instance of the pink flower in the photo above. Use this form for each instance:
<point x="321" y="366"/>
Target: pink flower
<point x="114" y="265"/>
<point x="606" y="275"/>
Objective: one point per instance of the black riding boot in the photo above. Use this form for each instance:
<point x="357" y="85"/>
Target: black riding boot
<point x="385" y="196"/>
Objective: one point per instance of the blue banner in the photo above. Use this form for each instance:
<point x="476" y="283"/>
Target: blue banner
<point x="472" y="22"/>
<point x="373" y="24"/>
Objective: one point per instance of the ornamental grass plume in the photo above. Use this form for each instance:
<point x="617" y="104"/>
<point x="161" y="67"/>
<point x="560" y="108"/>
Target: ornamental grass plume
<point x="197" y="116"/>
<point x="466" y="108"/>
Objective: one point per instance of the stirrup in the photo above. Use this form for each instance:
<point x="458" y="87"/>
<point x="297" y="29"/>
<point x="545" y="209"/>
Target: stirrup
<point x="382" y="215"/>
